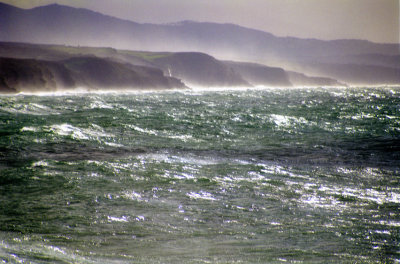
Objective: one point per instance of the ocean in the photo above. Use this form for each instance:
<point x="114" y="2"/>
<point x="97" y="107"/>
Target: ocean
<point x="268" y="175"/>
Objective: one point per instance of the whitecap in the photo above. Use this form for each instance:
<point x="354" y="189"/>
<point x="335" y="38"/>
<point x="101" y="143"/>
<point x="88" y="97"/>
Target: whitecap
<point x="118" y="219"/>
<point x="143" y="130"/>
<point x="280" y="120"/>
<point x="201" y="195"/>
<point x="111" y="144"/>
<point x="30" y="109"/>
<point x="80" y="133"/>
<point x="68" y="130"/>
<point x="30" y="129"/>
<point x="132" y="195"/>
<point x="287" y="121"/>
<point x="40" y="163"/>
<point x="100" y="104"/>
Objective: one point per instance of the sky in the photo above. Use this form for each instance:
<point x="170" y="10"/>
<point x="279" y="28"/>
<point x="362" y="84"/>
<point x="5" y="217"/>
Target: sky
<point x="374" y="20"/>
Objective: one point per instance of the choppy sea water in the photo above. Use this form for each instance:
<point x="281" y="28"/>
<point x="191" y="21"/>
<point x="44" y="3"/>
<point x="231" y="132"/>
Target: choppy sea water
<point x="229" y="176"/>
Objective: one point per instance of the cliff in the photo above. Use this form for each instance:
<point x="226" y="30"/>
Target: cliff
<point x="32" y="75"/>
<point x="75" y="66"/>
<point x="258" y="74"/>
<point x="199" y="69"/>
<point x="299" y="79"/>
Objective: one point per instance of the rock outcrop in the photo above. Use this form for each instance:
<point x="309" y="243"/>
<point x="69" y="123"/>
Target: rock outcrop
<point x="32" y="75"/>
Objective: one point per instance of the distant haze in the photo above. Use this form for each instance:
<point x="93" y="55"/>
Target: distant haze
<point x="374" y="20"/>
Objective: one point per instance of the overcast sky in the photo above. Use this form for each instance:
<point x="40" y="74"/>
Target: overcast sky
<point x="375" y="20"/>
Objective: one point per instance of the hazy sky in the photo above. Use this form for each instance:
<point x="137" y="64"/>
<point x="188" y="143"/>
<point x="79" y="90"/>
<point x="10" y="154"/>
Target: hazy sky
<point x="375" y="20"/>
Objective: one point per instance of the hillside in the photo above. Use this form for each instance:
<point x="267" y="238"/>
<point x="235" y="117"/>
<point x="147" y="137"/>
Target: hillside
<point x="299" y="79"/>
<point x="200" y="69"/>
<point x="258" y="74"/>
<point x="32" y="75"/>
<point x="193" y="68"/>
<point x="56" y="24"/>
<point x="357" y="73"/>
<point x="197" y="69"/>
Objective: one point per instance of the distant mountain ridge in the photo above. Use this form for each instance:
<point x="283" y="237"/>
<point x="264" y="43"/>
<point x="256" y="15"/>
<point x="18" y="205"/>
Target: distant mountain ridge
<point x="57" y="24"/>
<point x="47" y="21"/>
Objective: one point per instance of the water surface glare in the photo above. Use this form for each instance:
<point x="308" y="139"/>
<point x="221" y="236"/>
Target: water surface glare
<point x="230" y="176"/>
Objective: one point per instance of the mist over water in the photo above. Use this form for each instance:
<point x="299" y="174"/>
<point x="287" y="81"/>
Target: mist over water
<point x="294" y="175"/>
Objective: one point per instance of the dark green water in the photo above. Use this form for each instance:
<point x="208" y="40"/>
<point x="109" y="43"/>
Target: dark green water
<point x="249" y="176"/>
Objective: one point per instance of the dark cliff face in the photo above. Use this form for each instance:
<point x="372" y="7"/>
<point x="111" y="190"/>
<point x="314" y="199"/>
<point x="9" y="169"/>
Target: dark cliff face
<point x="356" y="73"/>
<point x="258" y="74"/>
<point x="31" y="75"/>
<point x="299" y="79"/>
<point x="103" y="73"/>
<point x="200" y="69"/>
<point x="97" y="72"/>
<point x="103" y="67"/>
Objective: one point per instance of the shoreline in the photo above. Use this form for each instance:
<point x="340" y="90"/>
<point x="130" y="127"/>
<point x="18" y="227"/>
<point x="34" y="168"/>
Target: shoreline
<point x="81" y="91"/>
